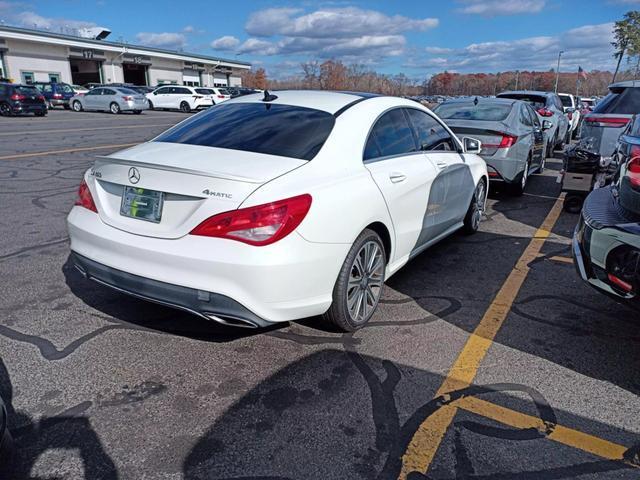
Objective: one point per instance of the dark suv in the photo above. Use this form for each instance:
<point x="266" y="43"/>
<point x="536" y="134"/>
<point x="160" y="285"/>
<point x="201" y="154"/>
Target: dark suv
<point x="55" y="94"/>
<point x="16" y="98"/>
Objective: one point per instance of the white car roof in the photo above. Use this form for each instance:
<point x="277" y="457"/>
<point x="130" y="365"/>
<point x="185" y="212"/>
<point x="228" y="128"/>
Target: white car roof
<point x="327" y="101"/>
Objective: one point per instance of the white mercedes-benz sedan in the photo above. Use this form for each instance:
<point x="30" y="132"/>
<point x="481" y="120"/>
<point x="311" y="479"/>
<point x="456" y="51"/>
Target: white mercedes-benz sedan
<point x="275" y="207"/>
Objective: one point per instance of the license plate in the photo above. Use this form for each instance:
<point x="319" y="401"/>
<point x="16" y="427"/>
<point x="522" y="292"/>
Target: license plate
<point x="142" y="204"/>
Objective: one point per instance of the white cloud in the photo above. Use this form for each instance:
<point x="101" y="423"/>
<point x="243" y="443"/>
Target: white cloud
<point x="18" y="13"/>
<point x="331" y="22"/>
<point x="227" y="42"/>
<point x="257" y="46"/>
<point x="169" y="40"/>
<point x="494" y="8"/>
<point x="588" y="46"/>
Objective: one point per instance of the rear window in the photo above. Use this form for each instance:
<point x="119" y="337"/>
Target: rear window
<point x="282" y="130"/>
<point x="127" y="91"/>
<point x="64" y="88"/>
<point x="24" y="90"/>
<point x="536" y="101"/>
<point x="468" y="111"/>
<point x="627" y="102"/>
<point x="566" y="101"/>
<point x="224" y="91"/>
<point x="204" y="91"/>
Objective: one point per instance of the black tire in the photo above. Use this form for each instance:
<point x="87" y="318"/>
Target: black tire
<point x="185" y="107"/>
<point x="49" y="105"/>
<point x="5" y="110"/>
<point x="77" y="106"/>
<point x="137" y="112"/>
<point x="518" y="187"/>
<point x="476" y="208"/>
<point x="67" y="107"/>
<point x="40" y="114"/>
<point x="573" y="203"/>
<point x="150" y="105"/>
<point x="339" y="312"/>
<point x="114" y="108"/>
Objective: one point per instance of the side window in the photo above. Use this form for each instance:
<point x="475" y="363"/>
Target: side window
<point x="432" y="136"/>
<point x="3" y="91"/>
<point x="183" y="91"/>
<point x="95" y="91"/>
<point x="534" y="116"/>
<point x="162" y="91"/>
<point x="47" y="88"/>
<point x="108" y="91"/>
<point x="391" y="135"/>
<point x="525" y="117"/>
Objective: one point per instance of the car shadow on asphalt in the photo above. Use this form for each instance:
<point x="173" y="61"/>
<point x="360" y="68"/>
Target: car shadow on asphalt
<point x="123" y="309"/>
<point x="341" y="414"/>
<point x="68" y="430"/>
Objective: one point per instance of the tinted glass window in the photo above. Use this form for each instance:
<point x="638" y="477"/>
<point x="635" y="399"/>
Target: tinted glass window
<point x="534" y="115"/>
<point x="204" y="91"/>
<point x="182" y="91"/>
<point x="161" y="91"/>
<point x="391" y="135"/>
<point x="108" y="91"/>
<point x="432" y="136"/>
<point x="3" y="90"/>
<point x="95" y="91"/>
<point x="537" y="101"/>
<point x="626" y="102"/>
<point x="282" y="130"/>
<point x="64" y="88"/>
<point x="566" y="100"/>
<point x="525" y="119"/>
<point x="23" y="90"/>
<point x="127" y="91"/>
<point x="493" y="112"/>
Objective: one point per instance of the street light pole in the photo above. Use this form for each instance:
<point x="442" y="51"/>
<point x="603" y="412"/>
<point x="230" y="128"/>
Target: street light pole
<point x="558" y="71"/>
<point x="517" y="78"/>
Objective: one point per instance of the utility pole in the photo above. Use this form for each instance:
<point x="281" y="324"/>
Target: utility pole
<point x="558" y="71"/>
<point x="517" y="78"/>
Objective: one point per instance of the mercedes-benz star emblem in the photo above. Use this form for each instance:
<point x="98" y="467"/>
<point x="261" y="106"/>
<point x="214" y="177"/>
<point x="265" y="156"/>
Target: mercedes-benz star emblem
<point x="134" y="175"/>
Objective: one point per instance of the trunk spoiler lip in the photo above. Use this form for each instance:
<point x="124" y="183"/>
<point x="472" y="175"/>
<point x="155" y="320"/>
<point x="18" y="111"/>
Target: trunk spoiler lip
<point x="103" y="159"/>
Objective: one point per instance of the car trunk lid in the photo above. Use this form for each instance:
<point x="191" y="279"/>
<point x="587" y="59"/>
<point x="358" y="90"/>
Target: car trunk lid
<point x="490" y="133"/>
<point x="194" y="183"/>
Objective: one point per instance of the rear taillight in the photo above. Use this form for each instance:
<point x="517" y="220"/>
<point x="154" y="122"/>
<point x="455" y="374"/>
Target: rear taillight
<point x="570" y="115"/>
<point x="128" y="98"/>
<point x="633" y="169"/>
<point x="41" y="97"/>
<point x="221" y="96"/>
<point x="259" y="225"/>
<point x="17" y="97"/>
<point x="57" y="95"/>
<point x="198" y="96"/>
<point x="545" y="112"/>
<point x="506" y="142"/>
<point x="606" y="121"/>
<point x="84" y="198"/>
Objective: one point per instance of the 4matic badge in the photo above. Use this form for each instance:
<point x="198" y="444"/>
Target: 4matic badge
<point x="211" y="193"/>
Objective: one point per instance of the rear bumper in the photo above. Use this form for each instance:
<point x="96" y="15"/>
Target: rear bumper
<point x="58" y="102"/>
<point x="209" y="305"/>
<point x="508" y="169"/>
<point x="126" y="106"/>
<point x="601" y="231"/>
<point x="288" y="280"/>
<point x="23" y="108"/>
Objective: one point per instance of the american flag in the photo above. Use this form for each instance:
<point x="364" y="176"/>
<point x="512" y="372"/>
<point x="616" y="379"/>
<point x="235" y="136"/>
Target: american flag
<point x="582" y="73"/>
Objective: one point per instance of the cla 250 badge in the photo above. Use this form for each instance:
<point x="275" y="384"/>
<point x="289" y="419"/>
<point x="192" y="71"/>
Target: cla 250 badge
<point x="217" y="194"/>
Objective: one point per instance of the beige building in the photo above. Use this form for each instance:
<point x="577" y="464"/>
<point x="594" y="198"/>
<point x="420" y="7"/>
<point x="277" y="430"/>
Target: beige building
<point x="34" y="55"/>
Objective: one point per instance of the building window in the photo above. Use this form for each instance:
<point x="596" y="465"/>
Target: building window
<point x="54" y="77"/>
<point x="27" y="77"/>
<point x="3" y="74"/>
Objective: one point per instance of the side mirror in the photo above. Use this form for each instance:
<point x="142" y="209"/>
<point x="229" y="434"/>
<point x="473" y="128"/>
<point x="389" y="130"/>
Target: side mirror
<point x="546" y="125"/>
<point x="471" y="145"/>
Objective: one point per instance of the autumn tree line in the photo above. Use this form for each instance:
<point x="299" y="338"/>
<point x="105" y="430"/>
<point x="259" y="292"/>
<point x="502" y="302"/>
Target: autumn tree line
<point x="335" y="75"/>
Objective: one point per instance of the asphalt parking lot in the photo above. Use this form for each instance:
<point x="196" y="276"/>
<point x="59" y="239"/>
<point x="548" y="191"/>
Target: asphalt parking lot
<point x="103" y="386"/>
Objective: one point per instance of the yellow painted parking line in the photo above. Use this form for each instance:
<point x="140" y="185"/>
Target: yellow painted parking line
<point x="68" y="150"/>
<point x="426" y="440"/>
<point x="558" y="258"/>
<point x="564" y="435"/>
<point x="67" y="130"/>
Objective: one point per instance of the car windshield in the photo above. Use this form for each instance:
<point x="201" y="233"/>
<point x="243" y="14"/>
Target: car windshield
<point x="626" y="102"/>
<point x="537" y="101"/>
<point x="566" y="100"/>
<point x="492" y="112"/>
<point x="282" y="130"/>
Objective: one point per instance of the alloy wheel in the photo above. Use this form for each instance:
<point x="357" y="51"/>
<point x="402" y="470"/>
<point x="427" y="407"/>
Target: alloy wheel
<point x="5" y="110"/>
<point x="525" y="175"/>
<point x="480" y="199"/>
<point x="365" y="282"/>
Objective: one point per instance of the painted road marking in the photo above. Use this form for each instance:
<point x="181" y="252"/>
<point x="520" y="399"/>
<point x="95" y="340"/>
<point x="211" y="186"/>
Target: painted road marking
<point x="558" y="258"/>
<point x="68" y="130"/>
<point x="426" y="440"/>
<point x="566" y="436"/>
<point x="68" y="150"/>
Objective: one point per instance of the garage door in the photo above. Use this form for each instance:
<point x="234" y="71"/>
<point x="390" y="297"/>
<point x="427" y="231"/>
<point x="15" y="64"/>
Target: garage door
<point x="191" y="78"/>
<point x="85" y="71"/>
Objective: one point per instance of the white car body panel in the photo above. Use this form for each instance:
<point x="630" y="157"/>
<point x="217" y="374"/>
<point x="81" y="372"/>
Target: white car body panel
<point x="294" y="277"/>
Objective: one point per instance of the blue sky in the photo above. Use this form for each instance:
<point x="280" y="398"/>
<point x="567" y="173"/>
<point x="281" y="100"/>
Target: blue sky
<point x="418" y="38"/>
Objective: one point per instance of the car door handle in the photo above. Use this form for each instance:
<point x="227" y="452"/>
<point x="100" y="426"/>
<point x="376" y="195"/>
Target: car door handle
<point x="397" y="177"/>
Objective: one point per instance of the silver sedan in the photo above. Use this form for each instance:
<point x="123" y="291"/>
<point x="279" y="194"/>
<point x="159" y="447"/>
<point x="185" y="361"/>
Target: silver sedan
<point x="510" y="131"/>
<point x="110" y="99"/>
